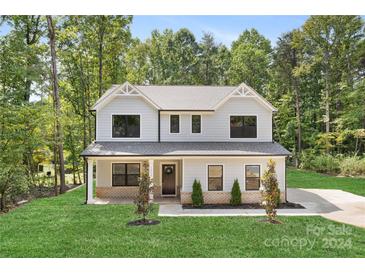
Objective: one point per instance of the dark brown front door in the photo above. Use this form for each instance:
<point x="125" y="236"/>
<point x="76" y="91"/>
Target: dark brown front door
<point x="168" y="179"/>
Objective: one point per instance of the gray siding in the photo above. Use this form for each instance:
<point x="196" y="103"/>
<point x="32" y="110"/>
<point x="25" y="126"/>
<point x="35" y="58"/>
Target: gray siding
<point x="216" y="126"/>
<point x="127" y="105"/>
<point x="232" y="168"/>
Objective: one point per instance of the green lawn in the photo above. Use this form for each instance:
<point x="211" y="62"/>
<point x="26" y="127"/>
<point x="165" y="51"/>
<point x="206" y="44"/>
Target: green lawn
<point x="64" y="227"/>
<point x="310" y="179"/>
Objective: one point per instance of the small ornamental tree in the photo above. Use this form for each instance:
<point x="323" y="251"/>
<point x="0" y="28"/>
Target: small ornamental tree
<point x="142" y="201"/>
<point x="270" y="192"/>
<point x="197" y="194"/>
<point x="235" y="194"/>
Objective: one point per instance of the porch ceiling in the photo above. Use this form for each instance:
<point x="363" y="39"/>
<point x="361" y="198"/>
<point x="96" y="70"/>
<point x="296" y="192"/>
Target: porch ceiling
<point x="102" y="149"/>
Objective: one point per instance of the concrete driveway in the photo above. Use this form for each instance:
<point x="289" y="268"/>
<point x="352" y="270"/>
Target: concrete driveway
<point x="333" y="204"/>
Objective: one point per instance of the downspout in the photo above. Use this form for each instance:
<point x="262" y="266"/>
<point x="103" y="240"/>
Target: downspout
<point x="286" y="188"/>
<point x="159" y="126"/>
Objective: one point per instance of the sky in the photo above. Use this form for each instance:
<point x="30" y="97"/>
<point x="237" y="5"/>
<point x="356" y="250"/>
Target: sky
<point x="224" y="28"/>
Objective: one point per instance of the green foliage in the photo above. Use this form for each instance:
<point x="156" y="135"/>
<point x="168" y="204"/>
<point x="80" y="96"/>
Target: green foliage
<point x="235" y="193"/>
<point x="325" y="163"/>
<point x="352" y="166"/>
<point x="145" y="188"/>
<point x="197" y="194"/>
<point x="250" y="60"/>
<point x="270" y="191"/>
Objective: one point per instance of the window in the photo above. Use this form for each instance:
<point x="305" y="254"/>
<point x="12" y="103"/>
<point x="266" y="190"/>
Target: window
<point x="215" y="177"/>
<point x="174" y="123"/>
<point x="40" y="168"/>
<point x="125" y="174"/>
<point x="252" y="179"/>
<point x="126" y="126"/>
<point x="196" y="123"/>
<point x="243" y="127"/>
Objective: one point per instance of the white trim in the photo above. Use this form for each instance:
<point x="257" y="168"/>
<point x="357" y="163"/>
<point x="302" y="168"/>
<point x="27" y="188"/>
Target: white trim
<point x="140" y="162"/>
<point x="126" y="138"/>
<point x="174" y="133"/>
<point x="257" y="96"/>
<point x="182" y="173"/>
<point x="112" y="92"/>
<point x="207" y="176"/>
<point x="243" y="139"/>
<point x="244" y="176"/>
<point x="191" y="125"/>
<point x="161" y="176"/>
<point x="177" y="157"/>
<point x="90" y="181"/>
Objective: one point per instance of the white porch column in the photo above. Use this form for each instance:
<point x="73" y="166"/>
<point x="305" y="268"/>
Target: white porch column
<point x="150" y="168"/>
<point x="150" y="173"/>
<point x="90" y="183"/>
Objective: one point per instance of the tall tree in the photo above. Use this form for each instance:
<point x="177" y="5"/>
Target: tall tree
<point x="57" y="102"/>
<point x="286" y="62"/>
<point x="250" y="60"/>
<point x="331" y="41"/>
<point x="208" y="51"/>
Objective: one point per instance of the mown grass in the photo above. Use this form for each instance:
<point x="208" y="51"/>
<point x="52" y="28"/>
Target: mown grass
<point x="297" y="178"/>
<point x="64" y="227"/>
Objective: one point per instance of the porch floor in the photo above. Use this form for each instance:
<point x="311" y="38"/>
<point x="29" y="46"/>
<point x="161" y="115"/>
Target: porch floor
<point x="124" y="201"/>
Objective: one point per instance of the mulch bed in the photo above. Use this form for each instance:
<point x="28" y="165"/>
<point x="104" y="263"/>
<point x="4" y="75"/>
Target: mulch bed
<point x="287" y="205"/>
<point x="143" y="222"/>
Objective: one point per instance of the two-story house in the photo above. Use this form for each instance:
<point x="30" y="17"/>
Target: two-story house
<point x="214" y="134"/>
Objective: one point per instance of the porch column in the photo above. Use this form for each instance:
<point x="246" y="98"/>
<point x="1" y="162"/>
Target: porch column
<point x="150" y="173"/>
<point x="150" y="168"/>
<point x="90" y="183"/>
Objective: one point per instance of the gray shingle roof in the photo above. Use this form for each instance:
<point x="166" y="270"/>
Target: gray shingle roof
<point x="186" y="97"/>
<point x="184" y="149"/>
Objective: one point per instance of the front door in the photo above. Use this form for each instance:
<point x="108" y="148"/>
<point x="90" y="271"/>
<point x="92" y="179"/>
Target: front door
<point x="169" y="179"/>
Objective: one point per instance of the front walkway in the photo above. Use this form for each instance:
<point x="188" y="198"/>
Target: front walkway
<point x="335" y="205"/>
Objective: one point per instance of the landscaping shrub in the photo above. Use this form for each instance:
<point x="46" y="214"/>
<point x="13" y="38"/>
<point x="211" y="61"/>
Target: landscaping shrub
<point x="142" y="201"/>
<point x="352" y="166"/>
<point x="197" y="194"/>
<point x="235" y="193"/>
<point x="270" y="191"/>
<point x="322" y="163"/>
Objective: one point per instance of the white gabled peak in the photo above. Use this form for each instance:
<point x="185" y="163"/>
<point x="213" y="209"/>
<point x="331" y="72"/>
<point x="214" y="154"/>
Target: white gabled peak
<point x="125" y="89"/>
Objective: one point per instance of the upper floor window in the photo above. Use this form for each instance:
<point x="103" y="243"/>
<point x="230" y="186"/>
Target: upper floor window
<point x="174" y="123"/>
<point x="252" y="174"/>
<point x="243" y="126"/>
<point x="215" y="177"/>
<point x="126" y="126"/>
<point x="196" y="121"/>
<point x="125" y="174"/>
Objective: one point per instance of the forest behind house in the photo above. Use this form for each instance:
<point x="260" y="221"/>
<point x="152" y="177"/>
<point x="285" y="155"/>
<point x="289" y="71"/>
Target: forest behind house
<point x="53" y="69"/>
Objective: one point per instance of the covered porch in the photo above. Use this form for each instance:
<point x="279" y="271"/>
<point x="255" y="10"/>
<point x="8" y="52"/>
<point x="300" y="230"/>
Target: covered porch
<point x="114" y="180"/>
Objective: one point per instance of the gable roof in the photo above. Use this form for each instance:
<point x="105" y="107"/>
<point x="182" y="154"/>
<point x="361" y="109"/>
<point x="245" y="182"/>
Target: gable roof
<point x="203" y="98"/>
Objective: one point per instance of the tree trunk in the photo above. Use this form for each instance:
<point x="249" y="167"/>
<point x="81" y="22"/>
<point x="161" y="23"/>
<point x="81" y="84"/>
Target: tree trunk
<point x="2" y="201"/>
<point x="299" y="124"/>
<point x="327" y="92"/>
<point x="57" y="103"/>
<point x="101" y="44"/>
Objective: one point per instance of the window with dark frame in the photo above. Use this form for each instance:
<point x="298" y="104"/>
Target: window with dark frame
<point x="215" y="177"/>
<point x="126" y="126"/>
<point x="243" y="126"/>
<point x="252" y="177"/>
<point x="174" y="123"/>
<point x="196" y="123"/>
<point x="125" y="174"/>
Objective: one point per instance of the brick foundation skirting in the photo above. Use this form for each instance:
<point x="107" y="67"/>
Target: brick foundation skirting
<point x="123" y="192"/>
<point x="224" y="197"/>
